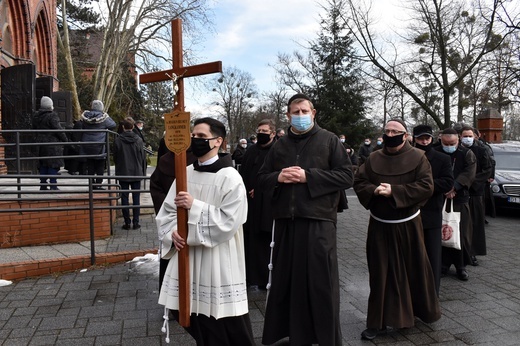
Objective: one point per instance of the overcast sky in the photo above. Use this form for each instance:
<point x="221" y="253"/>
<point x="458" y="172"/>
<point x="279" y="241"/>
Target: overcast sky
<point x="250" y="34"/>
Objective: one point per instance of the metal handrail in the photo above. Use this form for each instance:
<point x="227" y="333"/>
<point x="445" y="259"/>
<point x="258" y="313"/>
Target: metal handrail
<point x="18" y="187"/>
<point x="18" y="144"/>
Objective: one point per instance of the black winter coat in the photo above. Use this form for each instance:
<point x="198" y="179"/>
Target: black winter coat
<point x="431" y="212"/>
<point x="129" y="155"/>
<point x="164" y="175"/>
<point x="49" y="120"/>
<point x="484" y="170"/>
<point x="259" y="213"/>
<point x="464" y="166"/>
<point x="363" y="152"/>
<point x="238" y="154"/>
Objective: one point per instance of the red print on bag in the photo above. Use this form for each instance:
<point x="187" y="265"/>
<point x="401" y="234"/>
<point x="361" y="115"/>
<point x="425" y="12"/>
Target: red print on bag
<point x="447" y="232"/>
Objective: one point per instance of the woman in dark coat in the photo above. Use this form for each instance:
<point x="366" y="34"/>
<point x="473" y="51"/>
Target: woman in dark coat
<point x="96" y="119"/>
<point x="47" y="119"/>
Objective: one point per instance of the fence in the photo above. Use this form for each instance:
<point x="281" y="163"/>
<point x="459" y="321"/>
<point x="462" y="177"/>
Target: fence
<point x="78" y="210"/>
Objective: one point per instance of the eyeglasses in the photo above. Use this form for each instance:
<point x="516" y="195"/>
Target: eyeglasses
<point x="394" y="132"/>
<point x="264" y="131"/>
<point x="207" y="139"/>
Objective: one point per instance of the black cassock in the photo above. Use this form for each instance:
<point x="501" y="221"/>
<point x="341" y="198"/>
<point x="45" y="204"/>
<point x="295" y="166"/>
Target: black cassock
<point x="258" y="228"/>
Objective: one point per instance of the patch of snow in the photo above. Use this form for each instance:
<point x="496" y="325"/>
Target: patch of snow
<point x="5" y="283"/>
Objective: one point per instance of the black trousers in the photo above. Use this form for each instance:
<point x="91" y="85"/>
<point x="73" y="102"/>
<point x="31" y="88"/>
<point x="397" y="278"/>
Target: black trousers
<point x="227" y="331"/>
<point x="96" y="167"/>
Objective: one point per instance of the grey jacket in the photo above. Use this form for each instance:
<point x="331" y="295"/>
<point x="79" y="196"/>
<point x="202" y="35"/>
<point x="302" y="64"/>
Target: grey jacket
<point x="94" y="120"/>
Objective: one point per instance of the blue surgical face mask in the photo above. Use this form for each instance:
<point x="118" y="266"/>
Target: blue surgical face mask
<point x="449" y="149"/>
<point x="379" y="142"/>
<point x="467" y="141"/>
<point x="301" y="122"/>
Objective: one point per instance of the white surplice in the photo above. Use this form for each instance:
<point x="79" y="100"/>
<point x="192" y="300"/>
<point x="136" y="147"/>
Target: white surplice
<point x="216" y="244"/>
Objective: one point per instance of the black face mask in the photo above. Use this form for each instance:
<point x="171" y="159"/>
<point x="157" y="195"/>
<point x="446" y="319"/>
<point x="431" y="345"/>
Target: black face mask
<point x="392" y="142"/>
<point x="263" y="138"/>
<point x="200" y="146"/>
<point x="424" y="147"/>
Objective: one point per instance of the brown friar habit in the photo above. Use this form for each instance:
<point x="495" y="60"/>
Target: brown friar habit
<point x="401" y="281"/>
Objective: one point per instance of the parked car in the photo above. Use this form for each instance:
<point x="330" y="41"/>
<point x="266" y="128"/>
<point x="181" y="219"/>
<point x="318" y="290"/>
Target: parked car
<point x="506" y="186"/>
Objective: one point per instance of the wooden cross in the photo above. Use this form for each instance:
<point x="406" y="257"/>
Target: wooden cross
<point x="176" y="74"/>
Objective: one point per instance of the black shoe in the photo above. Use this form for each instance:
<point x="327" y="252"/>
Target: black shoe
<point x="462" y="274"/>
<point x="474" y="261"/>
<point x="126" y="226"/>
<point x="98" y="188"/>
<point x="136" y="226"/>
<point x="371" y="333"/>
<point x="54" y="188"/>
<point x="44" y="187"/>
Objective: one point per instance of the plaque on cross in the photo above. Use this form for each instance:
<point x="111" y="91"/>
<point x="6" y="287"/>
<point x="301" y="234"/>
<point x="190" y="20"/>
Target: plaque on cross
<point x="178" y="142"/>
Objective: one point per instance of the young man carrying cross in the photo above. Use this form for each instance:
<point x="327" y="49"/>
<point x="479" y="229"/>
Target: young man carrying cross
<point x="217" y="207"/>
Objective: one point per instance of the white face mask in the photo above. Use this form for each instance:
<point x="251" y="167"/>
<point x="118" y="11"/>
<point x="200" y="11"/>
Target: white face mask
<point x="301" y="122"/>
<point x="449" y="149"/>
<point x="244" y="145"/>
<point x="342" y="140"/>
<point x="467" y="141"/>
<point x="367" y="143"/>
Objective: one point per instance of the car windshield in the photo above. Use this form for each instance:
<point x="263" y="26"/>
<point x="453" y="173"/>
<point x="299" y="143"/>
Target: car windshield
<point x="509" y="161"/>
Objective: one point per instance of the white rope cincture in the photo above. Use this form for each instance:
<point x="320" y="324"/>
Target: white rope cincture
<point x="270" y="266"/>
<point x="396" y="221"/>
<point x="166" y="327"/>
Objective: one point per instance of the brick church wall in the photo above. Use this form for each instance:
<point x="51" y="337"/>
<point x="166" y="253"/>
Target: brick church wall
<point x="31" y="25"/>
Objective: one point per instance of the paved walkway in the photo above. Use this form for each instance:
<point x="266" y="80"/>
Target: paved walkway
<point x="117" y="305"/>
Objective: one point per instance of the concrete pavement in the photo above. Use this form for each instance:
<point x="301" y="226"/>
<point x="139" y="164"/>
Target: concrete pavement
<point x="117" y="305"/>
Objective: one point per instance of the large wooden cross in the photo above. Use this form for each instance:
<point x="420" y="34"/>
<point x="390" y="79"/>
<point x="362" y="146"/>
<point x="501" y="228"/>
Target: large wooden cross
<point x="179" y="72"/>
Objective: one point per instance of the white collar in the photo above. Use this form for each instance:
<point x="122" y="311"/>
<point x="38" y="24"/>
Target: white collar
<point x="209" y="161"/>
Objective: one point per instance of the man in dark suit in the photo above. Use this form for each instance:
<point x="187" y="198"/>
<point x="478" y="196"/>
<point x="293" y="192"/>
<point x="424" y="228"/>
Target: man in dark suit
<point x="431" y="212"/>
<point x="477" y="192"/>
<point x="464" y="166"/>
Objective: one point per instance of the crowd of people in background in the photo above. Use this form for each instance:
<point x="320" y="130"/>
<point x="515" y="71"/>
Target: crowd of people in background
<point x="265" y="215"/>
<point x="403" y="177"/>
<point x="90" y="156"/>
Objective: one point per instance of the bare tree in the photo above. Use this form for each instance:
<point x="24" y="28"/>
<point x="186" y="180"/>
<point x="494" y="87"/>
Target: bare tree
<point x="504" y="74"/>
<point x="506" y="16"/>
<point x="298" y="71"/>
<point x="328" y="72"/>
<point x="385" y="89"/>
<point x="79" y="15"/>
<point x="137" y="29"/>
<point x="65" y="47"/>
<point x="235" y="94"/>
<point x="275" y="105"/>
<point x="450" y="37"/>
